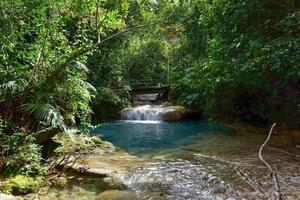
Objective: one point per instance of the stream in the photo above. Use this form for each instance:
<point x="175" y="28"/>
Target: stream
<point x="194" y="160"/>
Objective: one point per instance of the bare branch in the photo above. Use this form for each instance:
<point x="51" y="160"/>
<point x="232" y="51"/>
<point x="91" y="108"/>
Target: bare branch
<point x="273" y="173"/>
<point x="97" y="28"/>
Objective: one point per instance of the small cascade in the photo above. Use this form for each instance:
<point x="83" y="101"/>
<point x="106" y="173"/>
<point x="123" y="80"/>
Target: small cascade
<point x="154" y="113"/>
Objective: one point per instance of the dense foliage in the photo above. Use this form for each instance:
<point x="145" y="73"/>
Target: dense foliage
<point x="232" y="60"/>
<point x="245" y="61"/>
<point x="61" y="61"/>
<point x="44" y="49"/>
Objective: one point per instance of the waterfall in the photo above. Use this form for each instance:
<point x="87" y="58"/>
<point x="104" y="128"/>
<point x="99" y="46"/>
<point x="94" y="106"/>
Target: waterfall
<point x="154" y="113"/>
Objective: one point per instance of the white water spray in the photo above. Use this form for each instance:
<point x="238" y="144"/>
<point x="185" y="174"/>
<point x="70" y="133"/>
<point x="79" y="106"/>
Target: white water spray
<point x="154" y="113"/>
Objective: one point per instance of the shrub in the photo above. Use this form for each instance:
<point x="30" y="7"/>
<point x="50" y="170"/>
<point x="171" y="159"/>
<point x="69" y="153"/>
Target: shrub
<point x="21" y="155"/>
<point x="19" y="185"/>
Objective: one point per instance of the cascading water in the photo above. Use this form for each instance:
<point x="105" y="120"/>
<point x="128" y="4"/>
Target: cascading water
<point x="154" y="113"/>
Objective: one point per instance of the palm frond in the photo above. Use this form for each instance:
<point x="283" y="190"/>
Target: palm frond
<point x="47" y="113"/>
<point x="81" y="66"/>
<point x="86" y="89"/>
<point x="9" y="86"/>
<point x="13" y="86"/>
<point x="89" y="86"/>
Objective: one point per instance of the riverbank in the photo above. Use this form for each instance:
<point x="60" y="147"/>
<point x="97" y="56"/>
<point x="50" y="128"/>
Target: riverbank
<point x="98" y="179"/>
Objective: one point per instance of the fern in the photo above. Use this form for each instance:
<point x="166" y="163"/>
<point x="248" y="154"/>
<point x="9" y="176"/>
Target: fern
<point x="47" y="113"/>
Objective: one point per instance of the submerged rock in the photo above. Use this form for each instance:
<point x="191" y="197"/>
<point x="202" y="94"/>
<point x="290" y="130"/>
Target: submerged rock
<point x="116" y="195"/>
<point x="155" y="113"/>
<point x="114" y="163"/>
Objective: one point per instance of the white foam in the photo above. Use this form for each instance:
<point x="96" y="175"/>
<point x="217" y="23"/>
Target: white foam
<point x="146" y="113"/>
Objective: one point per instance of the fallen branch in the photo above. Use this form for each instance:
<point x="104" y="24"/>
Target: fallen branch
<point x="240" y="164"/>
<point x="285" y="152"/>
<point x="273" y="173"/>
<point x="244" y="176"/>
<point x="237" y="167"/>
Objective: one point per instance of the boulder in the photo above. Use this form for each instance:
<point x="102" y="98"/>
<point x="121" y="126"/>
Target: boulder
<point x="173" y="113"/>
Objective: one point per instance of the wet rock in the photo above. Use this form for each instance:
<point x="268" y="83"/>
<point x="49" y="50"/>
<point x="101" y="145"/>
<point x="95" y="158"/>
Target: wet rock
<point x="174" y="113"/>
<point x="99" y="172"/>
<point x="140" y="103"/>
<point x="91" y="172"/>
<point x="116" y="195"/>
<point x="145" y="97"/>
<point x="113" y="183"/>
<point x="7" y="197"/>
<point x="115" y="163"/>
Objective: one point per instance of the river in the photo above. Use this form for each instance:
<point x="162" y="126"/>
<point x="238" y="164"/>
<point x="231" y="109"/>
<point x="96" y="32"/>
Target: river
<point x="194" y="160"/>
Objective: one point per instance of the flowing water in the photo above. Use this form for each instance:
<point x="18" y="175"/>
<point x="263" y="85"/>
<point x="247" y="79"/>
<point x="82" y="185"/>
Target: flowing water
<point x="154" y="113"/>
<point x="145" y="112"/>
<point x="196" y="160"/>
<point x="193" y="160"/>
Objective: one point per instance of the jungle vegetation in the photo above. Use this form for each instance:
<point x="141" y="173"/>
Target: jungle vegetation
<point x="63" y="60"/>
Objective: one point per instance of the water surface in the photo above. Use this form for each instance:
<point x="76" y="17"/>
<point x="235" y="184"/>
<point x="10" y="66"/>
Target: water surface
<point x="201" y="161"/>
<point x="144" y="138"/>
<point x="197" y="161"/>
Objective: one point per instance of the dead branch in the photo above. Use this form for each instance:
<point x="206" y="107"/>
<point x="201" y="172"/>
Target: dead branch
<point x="237" y="166"/>
<point x="273" y="173"/>
<point x="285" y="152"/>
<point x="244" y="176"/>
<point x="224" y="161"/>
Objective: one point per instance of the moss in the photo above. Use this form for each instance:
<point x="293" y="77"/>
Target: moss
<point x="19" y="185"/>
<point x="82" y="142"/>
